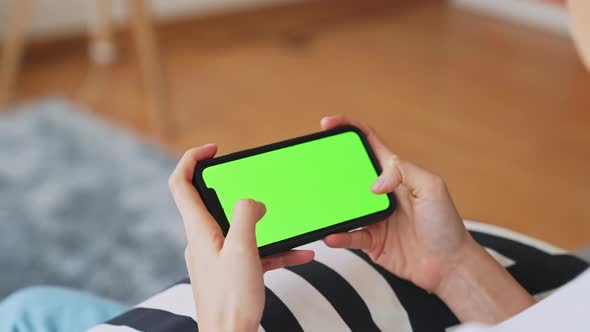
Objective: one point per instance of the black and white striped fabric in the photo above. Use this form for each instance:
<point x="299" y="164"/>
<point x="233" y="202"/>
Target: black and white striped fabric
<point x="342" y="290"/>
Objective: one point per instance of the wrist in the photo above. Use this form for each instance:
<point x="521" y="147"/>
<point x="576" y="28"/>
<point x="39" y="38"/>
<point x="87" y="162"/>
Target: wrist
<point x="477" y="288"/>
<point x="465" y="262"/>
<point x="226" y="326"/>
<point x="226" y="321"/>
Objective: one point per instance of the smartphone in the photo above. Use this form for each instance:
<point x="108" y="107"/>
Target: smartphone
<point x="312" y="186"/>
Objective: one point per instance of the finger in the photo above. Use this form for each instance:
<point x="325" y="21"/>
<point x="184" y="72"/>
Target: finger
<point x="186" y="165"/>
<point x="381" y="150"/>
<point x="396" y="172"/>
<point x="289" y="258"/>
<point x="358" y="239"/>
<point x="199" y="225"/>
<point x="242" y="231"/>
<point x="391" y="177"/>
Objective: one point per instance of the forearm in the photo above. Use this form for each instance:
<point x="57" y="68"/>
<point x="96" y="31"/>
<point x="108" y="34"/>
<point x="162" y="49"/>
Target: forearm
<point x="478" y="289"/>
<point x="216" y="314"/>
<point x="227" y="322"/>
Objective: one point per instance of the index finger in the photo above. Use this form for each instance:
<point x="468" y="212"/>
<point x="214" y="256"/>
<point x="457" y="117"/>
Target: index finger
<point x="381" y="151"/>
<point x="199" y="225"/>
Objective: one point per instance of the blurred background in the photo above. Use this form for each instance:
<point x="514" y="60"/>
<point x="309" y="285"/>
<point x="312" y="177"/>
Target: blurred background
<point x="100" y="97"/>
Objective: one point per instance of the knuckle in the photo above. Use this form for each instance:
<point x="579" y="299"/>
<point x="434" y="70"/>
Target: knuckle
<point x="173" y="182"/>
<point x="438" y="182"/>
<point x="189" y="153"/>
<point x="391" y="162"/>
<point x="246" y="201"/>
<point x="249" y="204"/>
<point x="272" y="263"/>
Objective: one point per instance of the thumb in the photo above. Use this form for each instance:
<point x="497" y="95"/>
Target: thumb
<point x="391" y="177"/>
<point x="397" y="172"/>
<point x="246" y="213"/>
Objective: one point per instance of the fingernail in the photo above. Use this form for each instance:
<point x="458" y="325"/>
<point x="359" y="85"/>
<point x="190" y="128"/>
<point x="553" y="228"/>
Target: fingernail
<point x="378" y="184"/>
<point x="262" y="205"/>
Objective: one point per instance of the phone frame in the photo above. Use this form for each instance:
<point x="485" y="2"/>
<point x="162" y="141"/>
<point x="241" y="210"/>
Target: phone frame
<point x="214" y="206"/>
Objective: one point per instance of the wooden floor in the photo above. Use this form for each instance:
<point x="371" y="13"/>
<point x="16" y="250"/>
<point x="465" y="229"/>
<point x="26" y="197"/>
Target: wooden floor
<point x="501" y="111"/>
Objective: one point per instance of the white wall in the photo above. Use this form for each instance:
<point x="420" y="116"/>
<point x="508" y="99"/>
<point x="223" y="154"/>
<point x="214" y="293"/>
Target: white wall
<point x="59" y="17"/>
<point x="529" y="12"/>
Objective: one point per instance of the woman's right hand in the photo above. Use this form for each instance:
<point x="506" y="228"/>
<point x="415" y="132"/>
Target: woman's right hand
<point x="424" y="241"/>
<point x="225" y="273"/>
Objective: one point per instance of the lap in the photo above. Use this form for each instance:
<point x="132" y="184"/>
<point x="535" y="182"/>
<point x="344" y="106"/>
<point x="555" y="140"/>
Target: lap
<point x="343" y="290"/>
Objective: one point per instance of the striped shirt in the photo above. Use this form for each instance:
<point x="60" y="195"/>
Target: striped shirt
<point x="343" y="290"/>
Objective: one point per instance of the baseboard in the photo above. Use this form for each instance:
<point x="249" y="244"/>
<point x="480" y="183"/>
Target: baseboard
<point x="62" y="18"/>
<point x="532" y="13"/>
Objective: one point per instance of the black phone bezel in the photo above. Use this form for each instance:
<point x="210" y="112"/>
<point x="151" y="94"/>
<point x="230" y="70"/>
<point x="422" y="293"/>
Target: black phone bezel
<point x="216" y="211"/>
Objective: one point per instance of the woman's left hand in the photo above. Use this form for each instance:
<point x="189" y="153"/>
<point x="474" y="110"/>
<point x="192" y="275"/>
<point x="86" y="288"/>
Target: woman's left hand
<point x="226" y="273"/>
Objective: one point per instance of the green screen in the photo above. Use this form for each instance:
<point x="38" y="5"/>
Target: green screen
<point x="305" y="187"/>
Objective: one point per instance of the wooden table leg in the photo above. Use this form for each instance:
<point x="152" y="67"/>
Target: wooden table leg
<point x="14" y="44"/>
<point x="151" y="68"/>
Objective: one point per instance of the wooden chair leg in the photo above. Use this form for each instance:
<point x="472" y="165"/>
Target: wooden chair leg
<point x="151" y="68"/>
<point x="102" y="53"/>
<point x="102" y="46"/>
<point x="13" y="48"/>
